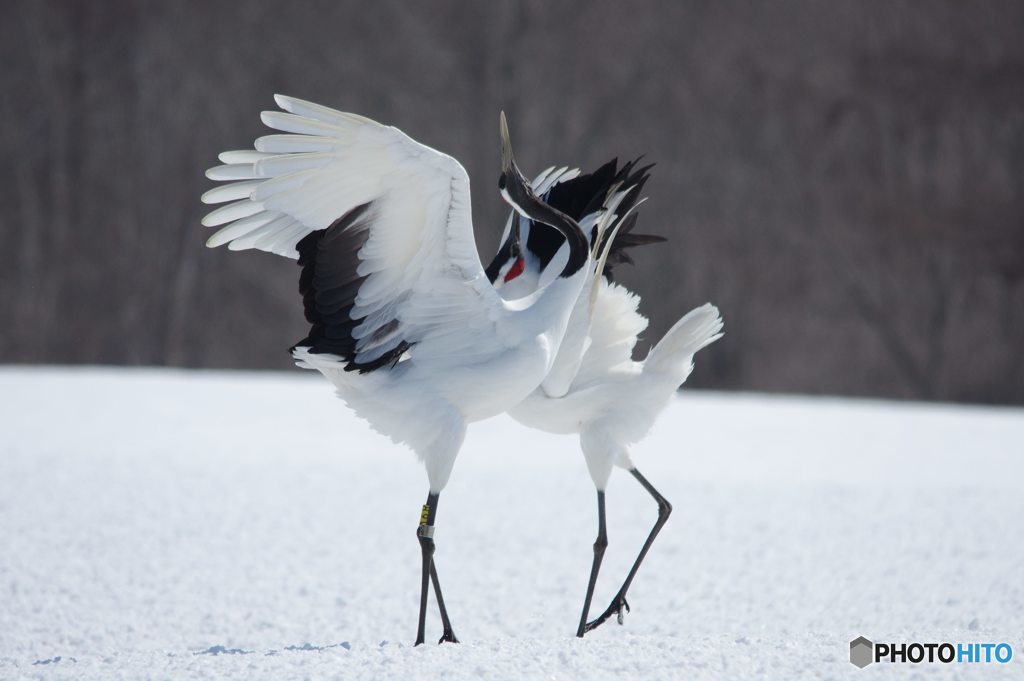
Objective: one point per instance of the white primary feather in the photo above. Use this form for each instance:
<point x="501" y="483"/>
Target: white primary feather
<point x="237" y="169"/>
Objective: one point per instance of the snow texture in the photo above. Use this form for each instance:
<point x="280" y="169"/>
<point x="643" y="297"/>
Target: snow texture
<point x="173" y="524"/>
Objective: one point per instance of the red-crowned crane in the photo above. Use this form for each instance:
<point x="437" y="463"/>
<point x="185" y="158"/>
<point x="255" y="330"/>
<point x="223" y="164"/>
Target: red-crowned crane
<point x="594" y="387"/>
<point x="404" y="321"/>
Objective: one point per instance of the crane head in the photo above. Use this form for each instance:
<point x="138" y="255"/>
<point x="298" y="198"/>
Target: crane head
<point x="518" y="193"/>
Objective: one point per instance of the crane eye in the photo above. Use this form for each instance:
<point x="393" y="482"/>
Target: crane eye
<point x="501" y="182"/>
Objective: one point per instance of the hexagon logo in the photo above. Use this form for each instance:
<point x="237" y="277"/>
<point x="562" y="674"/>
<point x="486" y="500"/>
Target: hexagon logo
<point x="862" y="652"/>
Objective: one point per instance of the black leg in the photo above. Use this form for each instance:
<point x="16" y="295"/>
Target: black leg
<point x="425" y="534"/>
<point x="619" y="602"/>
<point x="446" y="624"/>
<point x="600" y="544"/>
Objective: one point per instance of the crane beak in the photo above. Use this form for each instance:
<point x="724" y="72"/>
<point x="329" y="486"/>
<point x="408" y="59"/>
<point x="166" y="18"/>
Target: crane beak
<point x="514" y="185"/>
<point x="508" y="162"/>
<point x="513" y="176"/>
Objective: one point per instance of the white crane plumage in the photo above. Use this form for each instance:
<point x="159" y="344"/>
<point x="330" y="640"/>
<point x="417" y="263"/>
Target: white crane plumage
<point x="595" y="388"/>
<point x="405" y="323"/>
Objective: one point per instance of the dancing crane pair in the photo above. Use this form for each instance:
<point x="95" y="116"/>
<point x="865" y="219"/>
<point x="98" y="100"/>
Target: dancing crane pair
<point x="420" y="339"/>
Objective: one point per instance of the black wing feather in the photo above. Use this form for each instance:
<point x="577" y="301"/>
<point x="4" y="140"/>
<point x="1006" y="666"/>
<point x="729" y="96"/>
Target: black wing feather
<point x="329" y="283"/>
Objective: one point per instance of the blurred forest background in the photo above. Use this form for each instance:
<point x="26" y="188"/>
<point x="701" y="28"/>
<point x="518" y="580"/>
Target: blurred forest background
<point x="844" y="180"/>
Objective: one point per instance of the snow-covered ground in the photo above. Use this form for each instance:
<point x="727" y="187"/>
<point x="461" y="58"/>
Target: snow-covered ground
<point x="171" y="524"/>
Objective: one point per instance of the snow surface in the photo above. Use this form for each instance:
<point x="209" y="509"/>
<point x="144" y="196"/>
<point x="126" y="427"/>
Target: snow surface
<point x="173" y="524"/>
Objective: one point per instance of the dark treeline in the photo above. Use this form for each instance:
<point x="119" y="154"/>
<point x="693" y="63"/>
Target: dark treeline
<point x="843" y="179"/>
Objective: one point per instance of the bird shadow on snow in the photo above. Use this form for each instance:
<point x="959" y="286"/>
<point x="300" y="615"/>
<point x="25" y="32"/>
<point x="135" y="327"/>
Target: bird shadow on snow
<point x="52" y="660"/>
<point x="305" y="647"/>
<point x="217" y="650"/>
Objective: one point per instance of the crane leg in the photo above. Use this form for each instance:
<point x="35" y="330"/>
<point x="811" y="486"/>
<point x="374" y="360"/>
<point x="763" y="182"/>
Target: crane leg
<point x="619" y="603"/>
<point x="600" y="544"/>
<point x="425" y="534"/>
<point x="448" y="633"/>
